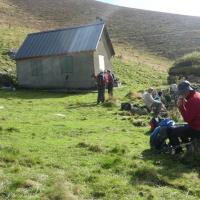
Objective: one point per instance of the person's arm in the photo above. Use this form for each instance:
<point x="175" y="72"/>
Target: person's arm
<point x="154" y="100"/>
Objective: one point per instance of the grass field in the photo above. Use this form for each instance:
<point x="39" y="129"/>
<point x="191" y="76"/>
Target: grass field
<point x="63" y="146"/>
<point x="58" y="146"/>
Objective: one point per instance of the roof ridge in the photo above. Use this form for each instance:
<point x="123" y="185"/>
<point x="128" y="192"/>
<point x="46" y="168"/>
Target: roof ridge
<point x="69" y="28"/>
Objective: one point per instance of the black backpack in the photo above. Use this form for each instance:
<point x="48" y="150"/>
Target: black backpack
<point x="100" y="79"/>
<point x="126" y="106"/>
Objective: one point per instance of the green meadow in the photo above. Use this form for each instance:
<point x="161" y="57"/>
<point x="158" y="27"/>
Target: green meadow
<point x="62" y="146"/>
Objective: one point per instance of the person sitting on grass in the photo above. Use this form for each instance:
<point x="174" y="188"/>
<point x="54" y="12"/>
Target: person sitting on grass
<point x="151" y="103"/>
<point x="189" y="106"/>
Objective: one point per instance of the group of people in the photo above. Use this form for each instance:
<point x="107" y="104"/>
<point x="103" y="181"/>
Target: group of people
<point x="104" y="79"/>
<point x="188" y="103"/>
<point x="189" y="106"/>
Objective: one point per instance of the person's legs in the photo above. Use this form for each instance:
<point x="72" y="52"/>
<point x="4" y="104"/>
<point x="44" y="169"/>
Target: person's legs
<point x="194" y="137"/>
<point x="110" y="90"/>
<point x="101" y="94"/>
<point x="156" y="108"/>
<point x="176" y="133"/>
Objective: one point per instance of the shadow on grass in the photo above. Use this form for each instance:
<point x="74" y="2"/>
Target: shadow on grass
<point x="82" y="105"/>
<point x="173" y="166"/>
<point x="39" y="94"/>
<point x="164" y="170"/>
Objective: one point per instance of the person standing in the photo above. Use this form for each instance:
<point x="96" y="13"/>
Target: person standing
<point x="189" y="106"/>
<point x="110" y="83"/>
<point x="101" y="84"/>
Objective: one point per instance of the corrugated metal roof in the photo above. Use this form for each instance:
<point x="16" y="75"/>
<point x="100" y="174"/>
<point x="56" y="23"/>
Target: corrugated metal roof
<point x="61" y="41"/>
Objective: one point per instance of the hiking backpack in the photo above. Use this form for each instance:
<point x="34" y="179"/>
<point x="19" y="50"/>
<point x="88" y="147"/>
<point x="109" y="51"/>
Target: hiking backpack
<point x="100" y="79"/>
<point x="126" y="106"/>
<point x="160" y="134"/>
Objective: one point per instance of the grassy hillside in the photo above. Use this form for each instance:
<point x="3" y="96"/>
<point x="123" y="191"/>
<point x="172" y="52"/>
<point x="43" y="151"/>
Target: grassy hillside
<point x="10" y="37"/>
<point x="62" y="146"/>
<point x="165" y="34"/>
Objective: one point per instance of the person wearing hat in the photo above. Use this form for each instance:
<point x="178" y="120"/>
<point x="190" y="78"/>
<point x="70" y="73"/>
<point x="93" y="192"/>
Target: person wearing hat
<point x="189" y="106"/>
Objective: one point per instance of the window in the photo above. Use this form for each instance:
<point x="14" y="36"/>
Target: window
<point x="36" y="67"/>
<point x="66" y="65"/>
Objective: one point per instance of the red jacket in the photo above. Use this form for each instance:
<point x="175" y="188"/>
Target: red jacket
<point x="190" y="111"/>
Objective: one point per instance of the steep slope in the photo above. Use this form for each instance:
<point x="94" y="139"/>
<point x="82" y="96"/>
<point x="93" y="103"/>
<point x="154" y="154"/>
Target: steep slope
<point x="165" y="34"/>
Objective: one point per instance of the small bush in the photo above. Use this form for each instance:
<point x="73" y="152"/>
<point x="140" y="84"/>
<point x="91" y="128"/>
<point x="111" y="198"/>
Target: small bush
<point x="12" y="129"/>
<point x="95" y="148"/>
<point x="7" y="158"/>
<point x="98" y="195"/>
<point x="91" y="179"/>
<point x="132" y="95"/>
<point x="90" y="147"/>
<point x="11" y="150"/>
<point x="147" y="175"/>
<point x="188" y="60"/>
<point x="118" y="150"/>
<point x="139" y="123"/>
<point x="82" y="144"/>
<point x="7" y="78"/>
<point x="113" y="102"/>
<point x="29" y="161"/>
<point x="60" y="191"/>
<point x="31" y="184"/>
<point x="17" y="183"/>
<point x="110" y="163"/>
